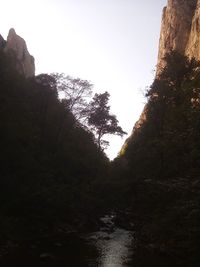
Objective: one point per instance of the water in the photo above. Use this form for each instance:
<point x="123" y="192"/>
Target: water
<point x="114" y="248"/>
<point x="114" y="245"/>
<point x="111" y="246"/>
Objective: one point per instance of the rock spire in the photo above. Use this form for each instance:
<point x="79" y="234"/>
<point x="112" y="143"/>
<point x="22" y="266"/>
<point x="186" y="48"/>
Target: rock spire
<point x="25" y="62"/>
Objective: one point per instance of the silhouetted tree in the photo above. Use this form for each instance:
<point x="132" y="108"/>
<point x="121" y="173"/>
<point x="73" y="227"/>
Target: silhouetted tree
<point x="77" y="93"/>
<point x="101" y="121"/>
<point x="47" y="80"/>
<point x="48" y="163"/>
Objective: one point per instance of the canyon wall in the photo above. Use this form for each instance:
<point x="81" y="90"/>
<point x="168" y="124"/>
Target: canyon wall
<point x="193" y="45"/>
<point x="180" y="31"/>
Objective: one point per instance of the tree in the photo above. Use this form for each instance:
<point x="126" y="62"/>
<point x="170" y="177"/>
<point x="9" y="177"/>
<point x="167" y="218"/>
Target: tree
<point x="178" y="68"/>
<point x="101" y="121"/>
<point x="47" y="80"/>
<point x="77" y="93"/>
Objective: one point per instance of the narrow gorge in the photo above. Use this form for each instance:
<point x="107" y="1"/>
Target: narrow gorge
<point x="63" y="202"/>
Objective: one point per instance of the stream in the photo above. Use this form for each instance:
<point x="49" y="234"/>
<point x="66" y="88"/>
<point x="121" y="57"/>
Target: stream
<point x="114" y="245"/>
<point x="111" y="246"/>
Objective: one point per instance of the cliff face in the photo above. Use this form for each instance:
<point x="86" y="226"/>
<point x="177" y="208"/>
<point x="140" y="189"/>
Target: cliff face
<point x="177" y="22"/>
<point x="25" y="62"/>
<point x="193" y="45"/>
<point x="137" y="126"/>
<point x="2" y="42"/>
<point x="180" y="31"/>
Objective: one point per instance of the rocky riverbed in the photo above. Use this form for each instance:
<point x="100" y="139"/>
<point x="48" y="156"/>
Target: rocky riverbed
<point x="111" y="245"/>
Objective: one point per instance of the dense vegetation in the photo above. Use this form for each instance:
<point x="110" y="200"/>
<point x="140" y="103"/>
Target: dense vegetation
<point x="55" y="177"/>
<point x="50" y="166"/>
<point x="160" y="165"/>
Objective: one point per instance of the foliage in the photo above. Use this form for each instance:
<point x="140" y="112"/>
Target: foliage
<point x="94" y="115"/>
<point x="77" y="93"/>
<point x="163" y="143"/>
<point x="101" y="121"/>
<point x="48" y="163"/>
<point x="161" y="163"/>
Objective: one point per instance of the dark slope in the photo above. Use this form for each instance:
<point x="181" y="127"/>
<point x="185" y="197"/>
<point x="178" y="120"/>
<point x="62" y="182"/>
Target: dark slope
<point x="48" y="164"/>
<point x="161" y="163"/>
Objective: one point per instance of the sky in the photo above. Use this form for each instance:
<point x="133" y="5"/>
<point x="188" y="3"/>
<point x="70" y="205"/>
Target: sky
<point x="111" y="43"/>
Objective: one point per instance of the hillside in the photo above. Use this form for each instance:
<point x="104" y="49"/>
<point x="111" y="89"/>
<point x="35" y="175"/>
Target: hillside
<point x="48" y="164"/>
<point x="161" y="158"/>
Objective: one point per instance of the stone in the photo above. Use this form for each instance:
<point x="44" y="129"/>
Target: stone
<point x="45" y="255"/>
<point x="180" y="31"/>
<point x="2" y="42"/>
<point x="136" y="129"/>
<point x="177" y="21"/>
<point x="25" y="62"/>
<point x="193" y="46"/>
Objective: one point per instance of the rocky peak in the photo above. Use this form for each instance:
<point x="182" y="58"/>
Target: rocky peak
<point x="176" y="28"/>
<point x="2" y="42"/>
<point x="25" y="62"/>
<point x="180" y="31"/>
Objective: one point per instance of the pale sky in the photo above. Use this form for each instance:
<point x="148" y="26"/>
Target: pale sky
<point x="111" y="43"/>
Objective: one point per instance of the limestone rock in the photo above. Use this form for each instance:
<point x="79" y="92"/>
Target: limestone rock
<point x="180" y="31"/>
<point x="175" y="28"/>
<point x="25" y="62"/>
<point x="141" y="120"/>
<point x="136" y="128"/>
<point x="2" y="42"/>
<point x="193" y="46"/>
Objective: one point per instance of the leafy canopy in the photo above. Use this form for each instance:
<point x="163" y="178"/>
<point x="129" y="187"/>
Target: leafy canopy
<point x="91" y="113"/>
<point x="77" y="94"/>
<point x="101" y="121"/>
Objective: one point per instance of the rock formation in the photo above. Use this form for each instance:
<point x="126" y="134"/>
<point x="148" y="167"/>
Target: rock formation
<point x="177" y="22"/>
<point x="193" y="45"/>
<point x="180" y="31"/>
<point x="25" y="62"/>
<point x="2" y="42"/>
<point x="137" y="126"/>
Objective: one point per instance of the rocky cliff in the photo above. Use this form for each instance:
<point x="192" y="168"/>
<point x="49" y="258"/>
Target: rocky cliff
<point x="193" y="45"/>
<point x="180" y="31"/>
<point x="137" y="126"/>
<point x="25" y="62"/>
